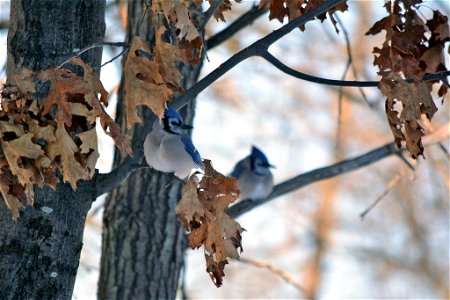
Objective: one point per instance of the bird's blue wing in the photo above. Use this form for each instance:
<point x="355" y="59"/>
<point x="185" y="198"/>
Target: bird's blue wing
<point x="238" y="169"/>
<point x="190" y="148"/>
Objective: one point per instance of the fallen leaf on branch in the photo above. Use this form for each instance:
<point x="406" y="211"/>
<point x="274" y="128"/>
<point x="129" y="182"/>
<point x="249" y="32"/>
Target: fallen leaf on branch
<point x="203" y="211"/>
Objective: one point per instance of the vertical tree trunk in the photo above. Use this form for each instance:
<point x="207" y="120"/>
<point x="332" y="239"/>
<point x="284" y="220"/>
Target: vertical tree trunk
<point x="39" y="253"/>
<point x="143" y="245"/>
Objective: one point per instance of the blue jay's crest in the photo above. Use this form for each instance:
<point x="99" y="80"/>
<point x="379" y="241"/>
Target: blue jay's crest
<point x="259" y="164"/>
<point x="259" y="155"/>
<point x="190" y="149"/>
<point x="171" y="113"/>
<point x="173" y="122"/>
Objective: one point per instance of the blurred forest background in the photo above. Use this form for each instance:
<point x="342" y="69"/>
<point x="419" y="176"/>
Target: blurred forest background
<point x="312" y="243"/>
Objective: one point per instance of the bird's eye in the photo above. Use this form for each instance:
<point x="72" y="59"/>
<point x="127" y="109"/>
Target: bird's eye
<point x="173" y="123"/>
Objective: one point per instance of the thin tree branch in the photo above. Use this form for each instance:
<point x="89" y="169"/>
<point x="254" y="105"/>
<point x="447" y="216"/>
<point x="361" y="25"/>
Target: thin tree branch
<point x="282" y="67"/>
<point x="95" y="45"/>
<point x="243" y="21"/>
<point x="210" y="12"/>
<point x="392" y="183"/>
<point x="115" y="57"/>
<point x="350" y="57"/>
<point x="282" y="274"/>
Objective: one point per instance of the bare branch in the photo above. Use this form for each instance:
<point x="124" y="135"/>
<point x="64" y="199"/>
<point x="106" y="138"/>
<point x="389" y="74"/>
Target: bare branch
<point x="350" y="59"/>
<point x="282" y="274"/>
<point x="96" y="45"/>
<point x="243" y="21"/>
<point x="282" y="67"/>
<point x="124" y="50"/>
<point x="392" y="183"/>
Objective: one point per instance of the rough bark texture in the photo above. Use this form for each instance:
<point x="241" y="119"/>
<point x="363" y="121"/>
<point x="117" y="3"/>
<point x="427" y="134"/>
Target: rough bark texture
<point x="143" y="244"/>
<point x="39" y="254"/>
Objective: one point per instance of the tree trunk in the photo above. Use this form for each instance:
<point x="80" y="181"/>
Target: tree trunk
<point x="143" y="244"/>
<point x="39" y="253"/>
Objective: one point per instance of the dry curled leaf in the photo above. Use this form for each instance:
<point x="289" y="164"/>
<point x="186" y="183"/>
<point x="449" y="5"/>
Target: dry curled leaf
<point x="292" y="9"/>
<point x="223" y="7"/>
<point x="15" y="150"/>
<point x="12" y="202"/>
<point x="203" y="211"/>
<point x="416" y="101"/>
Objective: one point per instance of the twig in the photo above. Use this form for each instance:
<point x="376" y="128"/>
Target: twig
<point x="210" y="12"/>
<point x="282" y="274"/>
<point x="95" y="45"/>
<point x="341" y="94"/>
<point x="115" y="57"/>
<point x="403" y="159"/>
<point x="243" y="21"/>
<point x="350" y="56"/>
<point x="389" y="187"/>
<point x="147" y="7"/>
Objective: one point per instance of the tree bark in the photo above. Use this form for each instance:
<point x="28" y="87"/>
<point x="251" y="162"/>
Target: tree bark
<point x="143" y="244"/>
<point x="39" y="253"/>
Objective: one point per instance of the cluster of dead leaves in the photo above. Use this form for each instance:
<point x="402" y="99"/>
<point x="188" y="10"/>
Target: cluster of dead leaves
<point x="151" y="75"/>
<point x="296" y="8"/>
<point x="47" y="125"/>
<point x="204" y="213"/>
<point x="413" y="48"/>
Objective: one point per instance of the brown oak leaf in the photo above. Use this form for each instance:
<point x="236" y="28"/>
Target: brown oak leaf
<point x="204" y="212"/>
<point x="416" y="100"/>
<point x="144" y="85"/>
<point x="18" y="148"/>
<point x="11" y="200"/>
<point x="65" y="148"/>
<point x="94" y="87"/>
<point x="89" y="147"/>
<point x="295" y="8"/>
<point x="63" y="83"/>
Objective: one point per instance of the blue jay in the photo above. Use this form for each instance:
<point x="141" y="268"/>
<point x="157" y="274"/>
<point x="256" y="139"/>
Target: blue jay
<point x="168" y="149"/>
<point x="253" y="174"/>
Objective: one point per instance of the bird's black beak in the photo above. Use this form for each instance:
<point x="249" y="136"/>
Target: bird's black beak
<point x="271" y="166"/>
<point x="185" y="126"/>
